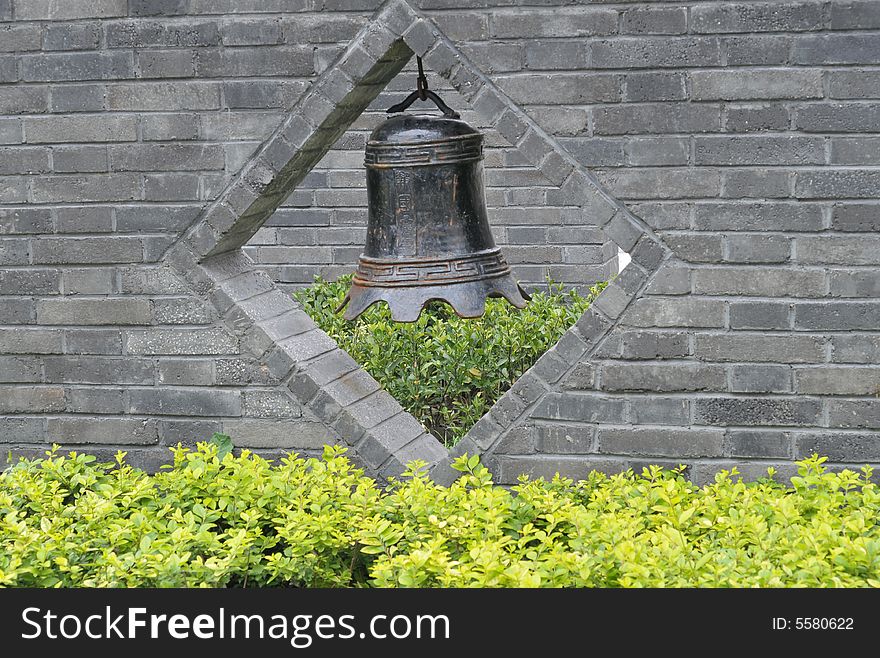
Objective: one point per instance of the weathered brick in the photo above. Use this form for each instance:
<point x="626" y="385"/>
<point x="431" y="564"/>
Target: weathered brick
<point x="830" y="184"/>
<point x="579" y="407"/>
<point x="654" y="86"/>
<point x="756" y="50"/>
<point x="653" y="410"/>
<point x="166" y="64"/>
<point x="834" y="380"/>
<point x="662" y="442"/>
<point x="758" y="281"/>
<point x="67" y="67"/>
<point x="23" y="399"/>
<point x="752" y="378"/>
<point x="79" y="98"/>
<point x="855" y="150"/>
<point x="181" y="341"/>
<point x="759" y="315"/>
<point x="561" y="23"/>
<point x="73" y="36"/>
<point x="758" y="444"/>
<point x="854" y="283"/>
<point x="164" y="96"/>
<point x="757" y="248"/>
<point x="93" y="311"/>
<point x="757" y="411"/>
<point x="755" y="183"/>
<point x="539" y="466"/>
<point x="656" y="118"/>
<point x="134" y="431"/>
<point x="838" y="446"/>
<point x="261" y="61"/>
<point x="677" y="312"/>
<point x="751" y="84"/>
<point x="844" y="250"/>
<point x="854" y="84"/>
<point x="836" y="49"/>
<point x="757" y="217"/>
<point x="854" y="413"/>
<point x="563" y="88"/>
<point x="839" y="117"/>
<point x="87" y="250"/>
<point x="761" y="17"/>
<point x="837" y="316"/>
<point x="855" y="349"/>
<point x="55" y="129"/>
<point x="167" y="157"/>
<point x="674" y="52"/>
<point x="662" y="377"/>
<point x="185" y="402"/>
<point x="758" y="150"/>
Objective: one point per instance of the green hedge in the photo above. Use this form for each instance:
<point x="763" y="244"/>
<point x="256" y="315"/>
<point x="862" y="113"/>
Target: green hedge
<point x="243" y="521"/>
<point x="444" y="370"/>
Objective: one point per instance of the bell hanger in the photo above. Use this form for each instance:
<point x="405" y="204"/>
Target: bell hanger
<point x="422" y="93"/>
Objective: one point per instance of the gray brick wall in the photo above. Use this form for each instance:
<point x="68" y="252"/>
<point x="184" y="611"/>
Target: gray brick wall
<point x="731" y="148"/>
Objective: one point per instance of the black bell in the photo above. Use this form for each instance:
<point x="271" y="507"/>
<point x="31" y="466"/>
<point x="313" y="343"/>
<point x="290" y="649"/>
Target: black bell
<point x="428" y="235"/>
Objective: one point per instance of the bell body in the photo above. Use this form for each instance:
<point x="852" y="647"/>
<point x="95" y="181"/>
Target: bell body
<point x="428" y="234"/>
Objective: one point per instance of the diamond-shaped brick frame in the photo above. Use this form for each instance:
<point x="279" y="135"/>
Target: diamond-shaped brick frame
<point x="319" y="374"/>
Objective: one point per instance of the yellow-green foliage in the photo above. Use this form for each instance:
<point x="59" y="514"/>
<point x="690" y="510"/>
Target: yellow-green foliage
<point x="241" y="521"/>
<point x="444" y="370"/>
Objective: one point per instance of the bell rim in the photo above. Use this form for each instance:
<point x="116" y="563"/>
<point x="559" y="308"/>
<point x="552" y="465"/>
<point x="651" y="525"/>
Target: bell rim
<point x="484" y="264"/>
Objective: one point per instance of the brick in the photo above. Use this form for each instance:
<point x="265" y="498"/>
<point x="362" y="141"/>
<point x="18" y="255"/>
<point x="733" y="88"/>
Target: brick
<point x="854" y="283"/>
<point x="185" y="402"/>
<point x="55" y="129"/>
<point x="759" y="315"/>
<point x="172" y="187"/>
<point x="836" y="49"/>
<point x="539" y="466"/>
<point x="830" y="184"/>
<point x="839" y="117"/>
<point x="662" y="442"/>
<point x="579" y="407"/>
<point x="855" y="349"/>
<point x="661" y="183"/>
<point x="93" y="341"/>
<point x="761" y="17"/>
<point x="760" y="379"/>
<point x="676" y="312"/>
<point x="69" y="10"/>
<point x="16" y="311"/>
<point x="842" y="249"/>
<point x="158" y="219"/>
<point x="652" y="410"/>
<point x="166" y="64"/>
<point x="838" y="446"/>
<point x="758" y="150"/>
<point x="150" y="281"/>
<point x="68" y="67"/>
<point x="80" y="159"/>
<point x="860" y="14"/>
<point x="145" y="34"/>
<point x="549" y="55"/>
<point x="657" y="151"/>
<point x="756" y="411"/>
<point x="16" y="369"/>
<point x="674" y="52"/>
<point x="854" y="413"/>
<point x="757" y="281"/>
<point x="10" y="131"/>
<point x="758" y="217"/>
<point x="298" y="435"/>
<point x="88" y="250"/>
<point x="856" y="150"/>
<point x="518" y="441"/>
<point x="250" y="32"/>
<point x="19" y="38"/>
<point x="186" y="372"/>
<point x="757" y="50"/>
<point x="837" y="316"/>
<point x="654" y="86"/>
<point x="660" y="118"/>
<point x="269" y="404"/>
<point x="167" y="157"/>
<point x="561" y="23"/>
<point x="181" y="342"/>
<point x="134" y="431"/>
<point x="672" y="20"/>
<point x="30" y="341"/>
<point x="752" y="84"/>
<point x="93" y="312"/>
<point x="670" y="280"/>
<point x="854" y="84"/>
<point x="158" y="7"/>
<point x="25" y="220"/>
<point x="652" y="344"/>
<point x="24" y="430"/>
<point x="757" y="248"/>
<point x="181" y="311"/>
<point x="75" y="36"/>
<point x="79" y="98"/>
<point x="835" y="380"/>
<point x="89" y="281"/>
<point x="22" y="399"/>
<point x="758" y="444"/>
<point x="757" y="118"/>
<point x="564" y="439"/>
<point x="259" y="61"/>
<point x="22" y="281"/>
<point x="662" y="377"/>
<point x="164" y="96"/>
<point x="561" y="88"/>
<point x="755" y="183"/>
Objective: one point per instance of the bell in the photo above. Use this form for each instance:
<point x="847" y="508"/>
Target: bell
<point x="428" y="235"/>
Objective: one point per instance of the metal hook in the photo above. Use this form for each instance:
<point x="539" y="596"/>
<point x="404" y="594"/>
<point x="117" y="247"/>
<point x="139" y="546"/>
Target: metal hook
<point x="422" y="93"/>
